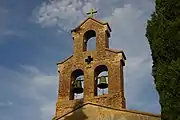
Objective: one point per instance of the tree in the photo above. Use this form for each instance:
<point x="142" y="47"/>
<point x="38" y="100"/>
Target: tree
<point x="163" y="34"/>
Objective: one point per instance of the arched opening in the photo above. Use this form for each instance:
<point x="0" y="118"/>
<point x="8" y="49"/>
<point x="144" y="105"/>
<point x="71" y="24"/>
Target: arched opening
<point x="101" y="80"/>
<point x="90" y="40"/>
<point x="77" y="85"/>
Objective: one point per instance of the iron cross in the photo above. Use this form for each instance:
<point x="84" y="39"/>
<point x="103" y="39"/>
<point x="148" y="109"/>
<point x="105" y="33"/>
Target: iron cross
<point x="89" y="59"/>
<point x="91" y="12"/>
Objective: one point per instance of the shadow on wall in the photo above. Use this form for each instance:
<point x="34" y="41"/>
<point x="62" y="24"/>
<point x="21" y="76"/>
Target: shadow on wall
<point x="77" y="114"/>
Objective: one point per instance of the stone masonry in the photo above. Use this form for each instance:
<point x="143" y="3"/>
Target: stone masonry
<point x="102" y="58"/>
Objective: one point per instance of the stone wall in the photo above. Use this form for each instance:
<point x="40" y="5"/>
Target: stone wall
<point x="93" y="112"/>
<point x="113" y="60"/>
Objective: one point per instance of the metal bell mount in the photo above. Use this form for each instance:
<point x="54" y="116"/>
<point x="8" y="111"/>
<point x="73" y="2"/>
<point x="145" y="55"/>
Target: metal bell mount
<point x="102" y="82"/>
<point x="77" y="87"/>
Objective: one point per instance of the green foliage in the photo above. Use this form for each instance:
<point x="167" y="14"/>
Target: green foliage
<point x="163" y="33"/>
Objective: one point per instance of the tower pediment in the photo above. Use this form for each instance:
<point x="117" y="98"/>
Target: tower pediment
<point x="91" y="21"/>
<point x="91" y="111"/>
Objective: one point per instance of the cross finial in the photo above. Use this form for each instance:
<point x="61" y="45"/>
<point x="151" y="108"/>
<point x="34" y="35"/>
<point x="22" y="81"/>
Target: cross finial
<point x="91" y="12"/>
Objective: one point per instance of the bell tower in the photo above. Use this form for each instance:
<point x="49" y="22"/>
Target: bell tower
<point x="80" y="73"/>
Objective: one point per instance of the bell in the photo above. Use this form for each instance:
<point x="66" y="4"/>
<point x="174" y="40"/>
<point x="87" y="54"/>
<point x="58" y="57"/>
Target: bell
<point x="102" y="83"/>
<point x="77" y="87"/>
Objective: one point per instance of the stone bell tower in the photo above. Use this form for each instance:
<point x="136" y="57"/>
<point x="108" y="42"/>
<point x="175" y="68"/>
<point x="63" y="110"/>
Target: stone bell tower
<point x="90" y="64"/>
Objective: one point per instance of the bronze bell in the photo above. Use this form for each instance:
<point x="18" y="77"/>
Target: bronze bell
<point x="102" y="82"/>
<point x="77" y="87"/>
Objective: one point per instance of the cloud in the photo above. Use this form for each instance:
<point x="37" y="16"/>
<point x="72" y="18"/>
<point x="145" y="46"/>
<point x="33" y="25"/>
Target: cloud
<point x="48" y="110"/>
<point x="68" y="13"/>
<point x="59" y="13"/>
<point x="4" y="104"/>
<point x="127" y="19"/>
<point x="12" y="33"/>
<point x="128" y="25"/>
<point x="41" y="89"/>
<point x="128" y="30"/>
<point x="34" y="92"/>
<point x="4" y="29"/>
<point x="3" y="10"/>
<point x="6" y="34"/>
<point x="3" y="14"/>
<point x="28" y="89"/>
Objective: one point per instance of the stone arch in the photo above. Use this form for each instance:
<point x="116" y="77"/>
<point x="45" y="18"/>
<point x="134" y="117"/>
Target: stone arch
<point x="89" y="40"/>
<point x="101" y="70"/>
<point x="77" y="74"/>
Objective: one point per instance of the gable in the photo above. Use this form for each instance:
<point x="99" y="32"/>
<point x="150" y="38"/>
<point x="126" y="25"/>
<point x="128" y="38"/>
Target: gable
<point x="95" y="112"/>
<point x="91" y="19"/>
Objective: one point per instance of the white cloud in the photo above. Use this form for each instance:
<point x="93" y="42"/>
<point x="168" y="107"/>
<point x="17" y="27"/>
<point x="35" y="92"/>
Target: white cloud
<point x="59" y="13"/>
<point x="40" y="86"/>
<point x="4" y="30"/>
<point x="128" y="22"/>
<point x="12" y="33"/>
<point x="3" y="10"/>
<point x="3" y="14"/>
<point x="68" y="13"/>
<point x="128" y="33"/>
<point x="128" y="30"/>
<point x="4" y="104"/>
<point x="31" y="83"/>
<point x="48" y="111"/>
<point x="7" y="32"/>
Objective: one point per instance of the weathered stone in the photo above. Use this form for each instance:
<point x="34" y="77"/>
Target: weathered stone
<point x="92" y="111"/>
<point x="103" y="56"/>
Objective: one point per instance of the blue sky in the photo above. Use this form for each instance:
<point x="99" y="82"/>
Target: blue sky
<point x="35" y="35"/>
